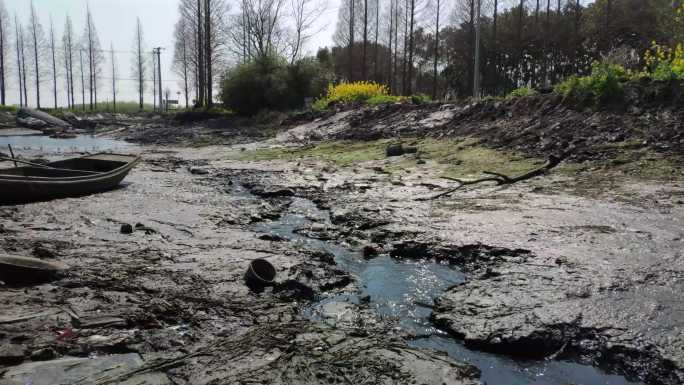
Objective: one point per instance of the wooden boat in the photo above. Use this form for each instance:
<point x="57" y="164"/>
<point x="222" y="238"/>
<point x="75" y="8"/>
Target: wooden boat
<point x="66" y="178"/>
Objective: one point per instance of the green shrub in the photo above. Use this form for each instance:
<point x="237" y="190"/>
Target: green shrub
<point x="320" y="104"/>
<point x="420" y="98"/>
<point x="269" y="82"/>
<point x="520" y="92"/>
<point x="601" y="87"/>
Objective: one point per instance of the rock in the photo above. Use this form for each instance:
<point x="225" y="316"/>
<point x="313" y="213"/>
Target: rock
<point x="198" y="171"/>
<point x="11" y="354"/>
<point x="43" y="354"/>
<point x="43" y="252"/>
<point x="271" y="237"/>
<point x="395" y="150"/>
<point x="369" y="252"/>
<point x="410" y="150"/>
<point x="270" y="192"/>
<point x="126" y="229"/>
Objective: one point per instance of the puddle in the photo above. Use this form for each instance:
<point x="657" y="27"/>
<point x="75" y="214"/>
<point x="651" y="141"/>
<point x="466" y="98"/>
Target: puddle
<point x="82" y="143"/>
<point x="406" y="288"/>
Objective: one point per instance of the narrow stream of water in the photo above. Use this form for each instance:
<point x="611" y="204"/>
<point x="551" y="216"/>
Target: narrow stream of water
<point x="82" y="143"/>
<point x="403" y="289"/>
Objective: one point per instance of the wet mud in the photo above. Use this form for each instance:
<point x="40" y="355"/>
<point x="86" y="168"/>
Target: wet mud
<point x="521" y="284"/>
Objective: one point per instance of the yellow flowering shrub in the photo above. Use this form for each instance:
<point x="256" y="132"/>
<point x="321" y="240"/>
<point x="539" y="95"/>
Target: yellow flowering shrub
<point x="363" y="91"/>
<point x="355" y="92"/>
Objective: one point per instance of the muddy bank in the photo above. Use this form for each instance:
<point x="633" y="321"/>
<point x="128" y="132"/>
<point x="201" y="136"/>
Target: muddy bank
<point x="550" y="274"/>
<point x="537" y="126"/>
<point x="173" y="289"/>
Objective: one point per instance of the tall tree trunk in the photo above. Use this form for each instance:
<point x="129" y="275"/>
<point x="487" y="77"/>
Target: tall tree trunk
<point x="377" y="32"/>
<point x="141" y="74"/>
<point x="404" y="89"/>
<point x="520" y="57"/>
<point x="83" y="101"/>
<point x="208" y="53"/>
<point x="351" y="40"/>
<point x="35" y="55"/>
<point x="24" y="72"/>
<point x="185" y="72"/>
<point x="66" y="73"/>
<point x="411" y="44"/>
<point x="3" y="36"/>
<point x="71" y="68"/>
<point x="471" y="45"/>
<point x="18" y="41"/>
<point x="90" y="59"/>
<point x="436" y="58"/>
<point x="396" y="44"/>
<point x="54" y="61"/>
<point x="365" y="39"/>
<point x="495" y="44"/>
<point x="200" y="56"/>
<point x="390" y="80"/>
<point x="113" y="79"/>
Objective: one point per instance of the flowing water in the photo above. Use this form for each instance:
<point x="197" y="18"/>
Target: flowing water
<point x="406" y="289"/>
<point x="45" y="144"/>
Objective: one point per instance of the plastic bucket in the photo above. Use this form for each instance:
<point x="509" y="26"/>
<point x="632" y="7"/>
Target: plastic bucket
<point x="260" y="273"/>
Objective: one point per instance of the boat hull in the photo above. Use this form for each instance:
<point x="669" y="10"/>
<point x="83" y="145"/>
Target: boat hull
<point x="30" y="184"/>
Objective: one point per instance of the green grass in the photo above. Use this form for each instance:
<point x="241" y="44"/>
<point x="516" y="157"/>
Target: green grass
<point x="123" y="107"/>
<point x="454" y="157"/>
<point x="342" y="153"/>
<point x="12" y="109"/>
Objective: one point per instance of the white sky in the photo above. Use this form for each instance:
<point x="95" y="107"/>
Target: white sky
<point x="115" y="23"/>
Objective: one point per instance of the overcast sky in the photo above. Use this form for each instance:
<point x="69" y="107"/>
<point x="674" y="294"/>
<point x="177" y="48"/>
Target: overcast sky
<point x="115" y="22"/>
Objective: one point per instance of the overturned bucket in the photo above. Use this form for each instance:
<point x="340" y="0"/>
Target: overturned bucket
<point x="260" y="274"/>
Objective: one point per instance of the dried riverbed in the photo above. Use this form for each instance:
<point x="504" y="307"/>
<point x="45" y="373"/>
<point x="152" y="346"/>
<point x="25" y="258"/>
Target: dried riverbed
<point x="541" y="282"/>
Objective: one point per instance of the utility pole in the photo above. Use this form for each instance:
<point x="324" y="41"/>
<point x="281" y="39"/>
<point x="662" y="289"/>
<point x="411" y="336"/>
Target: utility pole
<point x="154" y="80"/>
<point x="157" y="51"/>
<point x="476" y="68"/>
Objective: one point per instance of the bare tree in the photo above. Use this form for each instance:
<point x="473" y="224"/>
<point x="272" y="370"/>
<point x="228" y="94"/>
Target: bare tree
<point x="54" y="60"/>
<point x="95" y="57"/>
<point x="68" y="52"/>
<point x="305" y="13"/>
<point x="201" y="78"/>
<point x="412" y="12"/>
<point x="390" y="79"/>
<point x="4" y="50"/>
<point x="81" y="66"/>
<point x="438" y="11"/>
<point x="20" y="55"/>
<point x="37" y="46"/>
<point x="377" y="36"/>
<point x="207" y="53"/>
<point x="365" y="39"/>
<point x="113" y="60"/>
<point x="352" y="22"/>
<point x="181" y="58"/>
<point x="139" y="62"/>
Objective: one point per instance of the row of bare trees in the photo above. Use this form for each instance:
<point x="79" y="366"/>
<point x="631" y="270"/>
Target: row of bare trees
<point x="74" y="65"/>
<point x="40" y="57"/>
